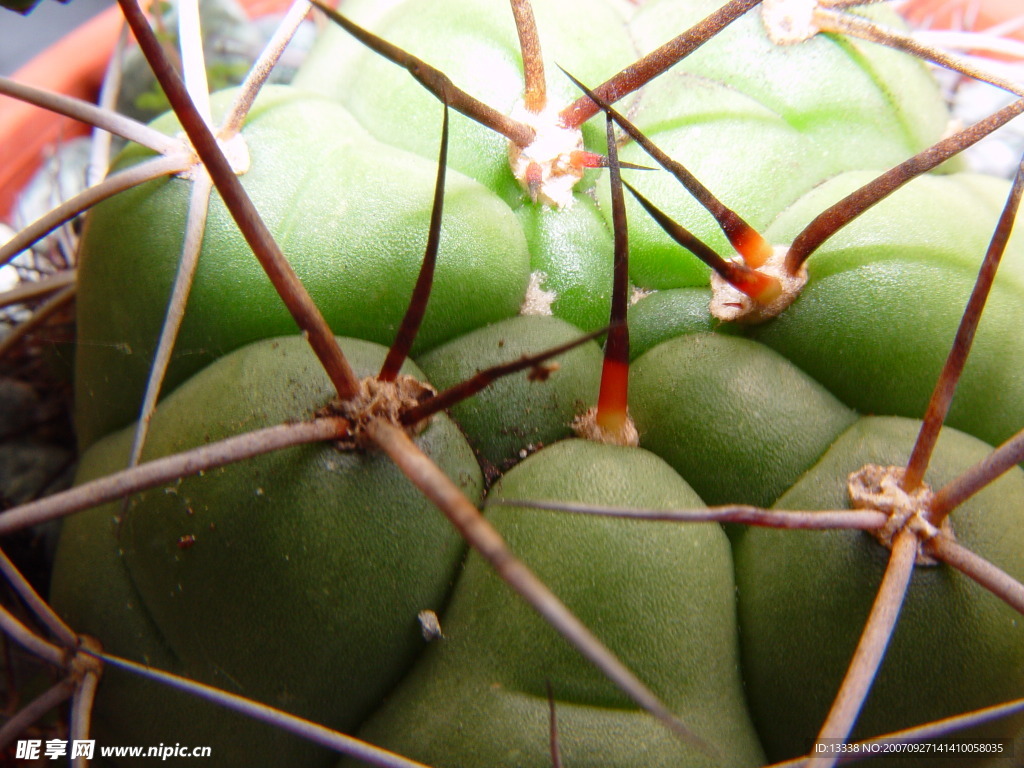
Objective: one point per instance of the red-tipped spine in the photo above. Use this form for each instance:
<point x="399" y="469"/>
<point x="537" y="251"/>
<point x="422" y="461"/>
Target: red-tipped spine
<point x="747" y="241"/>
<point x="612" y="413"/>
<point x="534" y="180"/>
<point x="581" y="158"/>
<point x="760" y="287"/>
<point x="611" y="402"/>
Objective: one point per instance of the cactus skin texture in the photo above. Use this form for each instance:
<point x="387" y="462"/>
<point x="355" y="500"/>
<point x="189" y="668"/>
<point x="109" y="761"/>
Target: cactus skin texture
<point x="288" y="555"/>
<point x="350" y="213"/>
<point x="744" y="633"/>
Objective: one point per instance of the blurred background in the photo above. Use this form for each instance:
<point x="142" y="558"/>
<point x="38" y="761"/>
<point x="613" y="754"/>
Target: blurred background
<point x="21" y="37"/>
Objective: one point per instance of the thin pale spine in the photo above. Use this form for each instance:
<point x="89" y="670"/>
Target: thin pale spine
<point x="306" y="314"/>
<point x="99" y="148"/>
<point x="159" y="472"/>
<point x="858" y="26"/>
<point x="948" y="725"/>
<point x="25" y="292"/>
<point x="193" y="60"/>
<point x="956" y="492"/>
<point x="920" y="733"/>
<point x="192" y="244"/>
<point x="40" y="315"/>
<point x="981" y="571"/>
<point x="987" y="42"/>
<point x="145" y="171"/>
<point x="839" y="519"/>
<point x="261" y="69"/>
<point x="27" y="716"/>
<point x="39" y="608"/>
<point x="85" y="112"/>
<point x="871" y="647"/>
<point x="306" y="729"/>
<point x="81" y="712"/>
<point x="27" y="639"/>
<point x="198" y="89"/>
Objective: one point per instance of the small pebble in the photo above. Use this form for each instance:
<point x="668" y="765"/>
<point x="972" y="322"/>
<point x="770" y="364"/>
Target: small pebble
<point x="430" y="625"/>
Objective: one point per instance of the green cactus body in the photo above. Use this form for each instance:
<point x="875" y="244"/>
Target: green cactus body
<point x="287" y="556"/>
<point x="774" y="114"/>
<point x="475" y="44"/>
<point x="660" y="596"/>
<point x="514" y="417"/>
<point x="351" y="215"/>
<point x="804" y="597"/>
<point x="774" y="414"/>
<point x="886" y="294"/>
<point x="370" y="198"/>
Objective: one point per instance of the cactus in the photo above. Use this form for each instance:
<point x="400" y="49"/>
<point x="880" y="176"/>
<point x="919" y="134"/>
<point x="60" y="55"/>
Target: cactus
<point x="603" y="615"/>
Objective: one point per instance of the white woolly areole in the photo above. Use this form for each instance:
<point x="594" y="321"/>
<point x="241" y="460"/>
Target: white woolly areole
<point x="637" y="294"/>
<point x="537" y="301"/>
<point x="551" y="150"/>
<point x="235" y="150"/>
<point x="733" y="306"/>
<point x="878" y="488"/>
<point x="789" y="21"/>
<point x="586" y="427"/>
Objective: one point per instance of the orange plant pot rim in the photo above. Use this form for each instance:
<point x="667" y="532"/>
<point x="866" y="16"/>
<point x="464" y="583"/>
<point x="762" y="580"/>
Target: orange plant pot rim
<point x="75" y="66"/>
